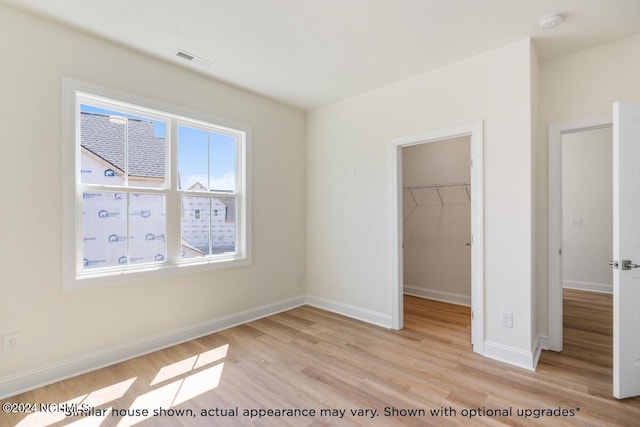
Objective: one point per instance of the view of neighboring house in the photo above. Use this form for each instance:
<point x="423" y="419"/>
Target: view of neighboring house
<point x="196" y="217"/>
<point x="206" y="221"/>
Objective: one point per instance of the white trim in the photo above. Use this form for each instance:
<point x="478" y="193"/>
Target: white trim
<point x="29" y="380"/>
<point x="475" y="131"/>
<point x="369" y="316"/>
<point x="540" y="343"/>
<point x="396" y="278"/>
<point x="72" y="277"/>
<point x="433" y="294"/>
<point x="554" y="142"/>
<point x="602" y="288"/>
<point x="543" y="342"/>
<point x="511" y="355"/>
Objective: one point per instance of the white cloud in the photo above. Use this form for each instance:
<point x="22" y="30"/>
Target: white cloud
<point x="226" y="182"/>
<point x="220" y="183"/>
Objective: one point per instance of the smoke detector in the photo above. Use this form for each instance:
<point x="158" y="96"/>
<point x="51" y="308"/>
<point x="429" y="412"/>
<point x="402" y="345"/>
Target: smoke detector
<point x="550" y="21"/>
<point x="194" y="59"/>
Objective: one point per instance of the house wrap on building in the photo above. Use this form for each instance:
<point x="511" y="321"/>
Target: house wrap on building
<point x="105" y="212"/>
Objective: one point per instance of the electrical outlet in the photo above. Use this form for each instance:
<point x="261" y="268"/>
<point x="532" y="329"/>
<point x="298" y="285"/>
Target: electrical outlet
<point x="9" y="343"/>
<point x="506" y="319"/>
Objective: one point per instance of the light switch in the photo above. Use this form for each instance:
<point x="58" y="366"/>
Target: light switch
<point x="576" y="222"/>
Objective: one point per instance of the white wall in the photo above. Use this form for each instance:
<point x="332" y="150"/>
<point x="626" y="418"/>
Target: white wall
<point x="348" y="250"/>
<point x="437" y="261"/>
<point x="55" y="326"/>
<point x="587" y="213"/>
<point x="577" y="86"/>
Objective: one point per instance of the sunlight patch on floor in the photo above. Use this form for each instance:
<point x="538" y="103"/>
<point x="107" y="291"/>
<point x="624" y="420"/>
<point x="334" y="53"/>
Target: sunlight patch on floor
<point x="94" y="399"/>
<point x="192" y="384"/>
<point x="187" y="365"/>
<point x="199" y="383"/>
<point x="161" y="397"/>
<point x="185" y="380"/>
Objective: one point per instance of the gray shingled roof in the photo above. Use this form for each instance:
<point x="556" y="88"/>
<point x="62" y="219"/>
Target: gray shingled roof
<point x="106" y="140"/>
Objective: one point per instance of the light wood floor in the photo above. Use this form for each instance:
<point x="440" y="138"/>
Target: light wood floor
<point x="311" y="359"/>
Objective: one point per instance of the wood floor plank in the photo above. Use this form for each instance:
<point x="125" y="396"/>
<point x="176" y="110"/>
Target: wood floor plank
<point x="311" y="359"/>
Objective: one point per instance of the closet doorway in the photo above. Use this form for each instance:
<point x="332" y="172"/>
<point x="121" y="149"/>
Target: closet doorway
<point x="436" y="202"/>
<point x="436" y="221"/>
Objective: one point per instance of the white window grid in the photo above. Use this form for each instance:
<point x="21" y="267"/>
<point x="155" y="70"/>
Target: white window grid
<point x="74" y="276"/>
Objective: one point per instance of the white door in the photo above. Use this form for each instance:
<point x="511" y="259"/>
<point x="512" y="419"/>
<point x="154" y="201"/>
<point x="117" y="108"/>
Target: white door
<point x="626" y="250"/>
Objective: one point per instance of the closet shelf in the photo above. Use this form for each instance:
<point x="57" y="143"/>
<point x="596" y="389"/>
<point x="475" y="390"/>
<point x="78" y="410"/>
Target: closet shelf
<point x="437" y="187"/>
<point x="449" y="184"/>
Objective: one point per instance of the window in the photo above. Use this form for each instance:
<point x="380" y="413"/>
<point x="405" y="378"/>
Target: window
<point x="123" y="183"/>
<point x="206" y="166"/>
<point x="149" y="186"/>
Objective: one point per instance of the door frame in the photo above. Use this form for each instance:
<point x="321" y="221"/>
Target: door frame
<point x="555" y="227"/>
<point x="475" y="131"/>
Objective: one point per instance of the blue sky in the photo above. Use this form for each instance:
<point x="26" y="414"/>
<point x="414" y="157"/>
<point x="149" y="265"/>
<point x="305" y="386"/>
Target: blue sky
<point x="204" y="157"/>
<point x="195" y="147"/>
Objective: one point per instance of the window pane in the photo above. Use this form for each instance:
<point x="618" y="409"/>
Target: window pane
<point x="195" y="226"/>
<point x="223" y="225"/>
<point x="105" y="136"/>
<point x="102" y="146"/>
<point x="193" y="159"/>
<point x="146" y="145"/>
<point x="127" y="200"/>
<point x="104" y="225"/>
<point x="222" y="162"/>
<point x="147" y="228"/>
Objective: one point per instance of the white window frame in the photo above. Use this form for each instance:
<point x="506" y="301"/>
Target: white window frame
<point x="74" y="277"/>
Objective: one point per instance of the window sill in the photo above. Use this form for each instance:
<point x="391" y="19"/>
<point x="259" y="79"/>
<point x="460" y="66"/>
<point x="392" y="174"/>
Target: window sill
<point x="151" y="272"/>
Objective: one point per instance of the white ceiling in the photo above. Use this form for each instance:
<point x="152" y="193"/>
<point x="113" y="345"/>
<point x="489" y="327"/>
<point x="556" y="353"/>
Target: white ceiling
<point x="309" y="53"/>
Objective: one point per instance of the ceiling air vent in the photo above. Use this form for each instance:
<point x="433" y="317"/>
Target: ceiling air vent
<point x="197" y="60"/>
<point x="184" y="55"/>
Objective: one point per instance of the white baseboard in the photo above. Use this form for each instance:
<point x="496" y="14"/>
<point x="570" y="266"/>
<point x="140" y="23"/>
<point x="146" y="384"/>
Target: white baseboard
<point x="369" y="316"/>
<point x="511" y="355"/>
<point x="449" y="297"/>
<point x="588" y="286"/>
<point x="541" y="343"/>
<point x="29" y="380"/>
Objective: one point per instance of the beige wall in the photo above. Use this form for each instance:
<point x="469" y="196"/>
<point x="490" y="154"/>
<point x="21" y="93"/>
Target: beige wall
<point x="437" y="261"/>
<point x="340" y="238"/>
<point x="587" y="209"/>
<point x="348" y="250"/>
<point x="56" y="326"/>
<point x="577" y="86"/>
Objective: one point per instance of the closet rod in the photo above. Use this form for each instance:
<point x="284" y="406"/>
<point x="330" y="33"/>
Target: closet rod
<point x="466" y="186"/>
<point x="452" y="184"/>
